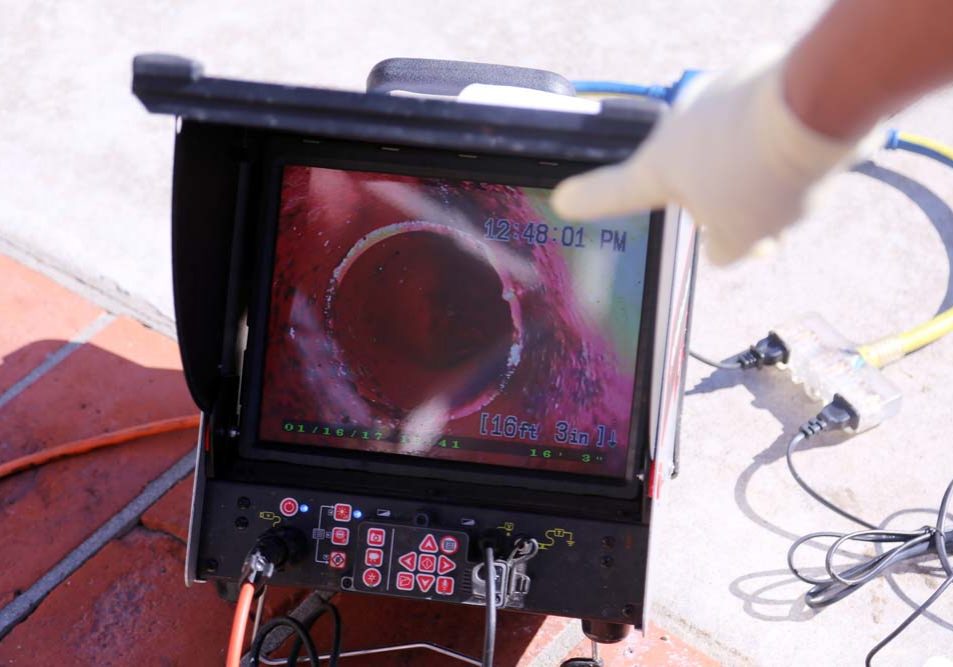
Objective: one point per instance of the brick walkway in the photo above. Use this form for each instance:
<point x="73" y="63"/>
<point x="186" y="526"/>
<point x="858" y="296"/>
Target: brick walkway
<point x="70" y="370"/>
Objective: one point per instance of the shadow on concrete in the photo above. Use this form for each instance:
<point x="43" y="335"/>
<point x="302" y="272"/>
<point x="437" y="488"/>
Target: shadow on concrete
<point x="791" y="407"/>
<point x="926" y="517"/>
<point x="769" y="601"/>
<point x="786" y="402"/>
<point x="934" y="208"/>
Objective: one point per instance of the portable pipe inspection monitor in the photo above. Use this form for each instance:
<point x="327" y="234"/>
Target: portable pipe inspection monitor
<point x="403" y="357"/>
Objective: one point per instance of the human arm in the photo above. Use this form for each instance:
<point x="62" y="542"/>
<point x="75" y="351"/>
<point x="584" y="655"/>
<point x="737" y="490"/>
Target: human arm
<point x="746" y="151"/>
<point x="866" y="60"/>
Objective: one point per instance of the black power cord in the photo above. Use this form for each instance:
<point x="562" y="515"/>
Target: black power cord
<point x="768" y="351"/>
<point x="336" y="635"/>
<point x="836" y="415"/>
<point x="730" y="364"/>
<point x="299" y="630"/>
<point x="836" y="586"/>
<point x="302" y="632"/>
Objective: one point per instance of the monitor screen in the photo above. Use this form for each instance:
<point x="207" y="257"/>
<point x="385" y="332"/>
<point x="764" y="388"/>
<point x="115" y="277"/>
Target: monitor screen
<point x="451" y="319"/>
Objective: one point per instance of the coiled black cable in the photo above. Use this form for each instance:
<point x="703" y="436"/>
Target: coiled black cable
<point x="302" y="638"/>
<point x="936" y="539"/>
<point x="336" y="636"/>
<point x="299" y="630"/>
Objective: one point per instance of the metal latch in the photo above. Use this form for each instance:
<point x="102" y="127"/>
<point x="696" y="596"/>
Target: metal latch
<point x="512" y="582"/>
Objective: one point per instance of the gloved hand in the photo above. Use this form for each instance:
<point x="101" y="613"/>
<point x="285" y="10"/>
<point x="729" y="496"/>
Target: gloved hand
<point x="731" y="152"/>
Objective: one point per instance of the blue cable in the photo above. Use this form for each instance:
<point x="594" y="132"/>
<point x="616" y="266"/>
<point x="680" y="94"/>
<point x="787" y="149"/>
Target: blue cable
<point x="666" y="94"/>
<point x="619" y="88"/>
<point x="894" y="142"/>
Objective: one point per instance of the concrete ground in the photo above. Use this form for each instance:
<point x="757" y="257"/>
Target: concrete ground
<point x="84" y="186"/>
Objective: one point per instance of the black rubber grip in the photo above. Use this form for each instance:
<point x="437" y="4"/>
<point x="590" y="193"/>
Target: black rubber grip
<point x="449" y="77"/>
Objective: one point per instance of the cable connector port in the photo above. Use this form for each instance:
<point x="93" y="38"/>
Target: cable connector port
<point x="274" y="549"/>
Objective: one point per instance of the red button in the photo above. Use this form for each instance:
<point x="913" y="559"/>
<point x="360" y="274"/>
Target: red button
<point x="445" y="585"/>
<point x="340" y="536"/>
<point x="374" y="557"/>
<point x="371" y="577"/>
<point x="337" y="560"/>
<point x="425" y="582"/>
<point x="409" y="561"/>
<point x="342" y="512"/>
<point x="445" y="565"/>
<point x="405" y="581"/>
<point x="376" y="537"/>
<point x="429" y="544"/>
<point x="449" y="545"/>
<point x="427" y="563"/>
<point x="288" y="507"/>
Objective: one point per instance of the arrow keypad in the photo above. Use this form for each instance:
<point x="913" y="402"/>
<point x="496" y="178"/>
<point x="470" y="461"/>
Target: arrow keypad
<point x="411" y="561"/>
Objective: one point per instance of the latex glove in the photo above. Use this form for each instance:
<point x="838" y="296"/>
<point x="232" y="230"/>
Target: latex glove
<point x="731" y="152"/>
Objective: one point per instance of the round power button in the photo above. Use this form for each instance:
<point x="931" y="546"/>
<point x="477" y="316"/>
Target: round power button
<point x="288" y="507"/>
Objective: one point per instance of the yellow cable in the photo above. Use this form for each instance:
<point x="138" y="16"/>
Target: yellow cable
<point x="941" y="148"/>
<point x="889" y="349"/>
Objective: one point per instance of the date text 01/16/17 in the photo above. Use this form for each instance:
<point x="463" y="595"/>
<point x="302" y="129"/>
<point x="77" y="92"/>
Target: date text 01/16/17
<point x="540" y="233"/>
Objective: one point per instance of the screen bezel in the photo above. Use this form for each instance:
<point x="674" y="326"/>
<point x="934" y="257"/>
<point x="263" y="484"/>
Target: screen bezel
<point x="527" y="172"/>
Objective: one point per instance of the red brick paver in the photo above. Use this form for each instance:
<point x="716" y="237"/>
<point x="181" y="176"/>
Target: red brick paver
<point x="125" y="606"/>
<point x="170" y="514"/>
<point x="124" y="376"/>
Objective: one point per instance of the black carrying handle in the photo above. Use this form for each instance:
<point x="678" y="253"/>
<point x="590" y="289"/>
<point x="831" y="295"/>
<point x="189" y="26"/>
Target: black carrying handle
<point x="449" y="77"/>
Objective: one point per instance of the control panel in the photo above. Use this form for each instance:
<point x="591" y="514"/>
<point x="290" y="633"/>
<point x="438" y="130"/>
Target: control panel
<point x="383" y="546"/>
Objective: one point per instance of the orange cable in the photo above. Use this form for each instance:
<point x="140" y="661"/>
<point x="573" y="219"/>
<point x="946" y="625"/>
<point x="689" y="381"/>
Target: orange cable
<point x="96" y="442"/>
<point x="240" y="621"/>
